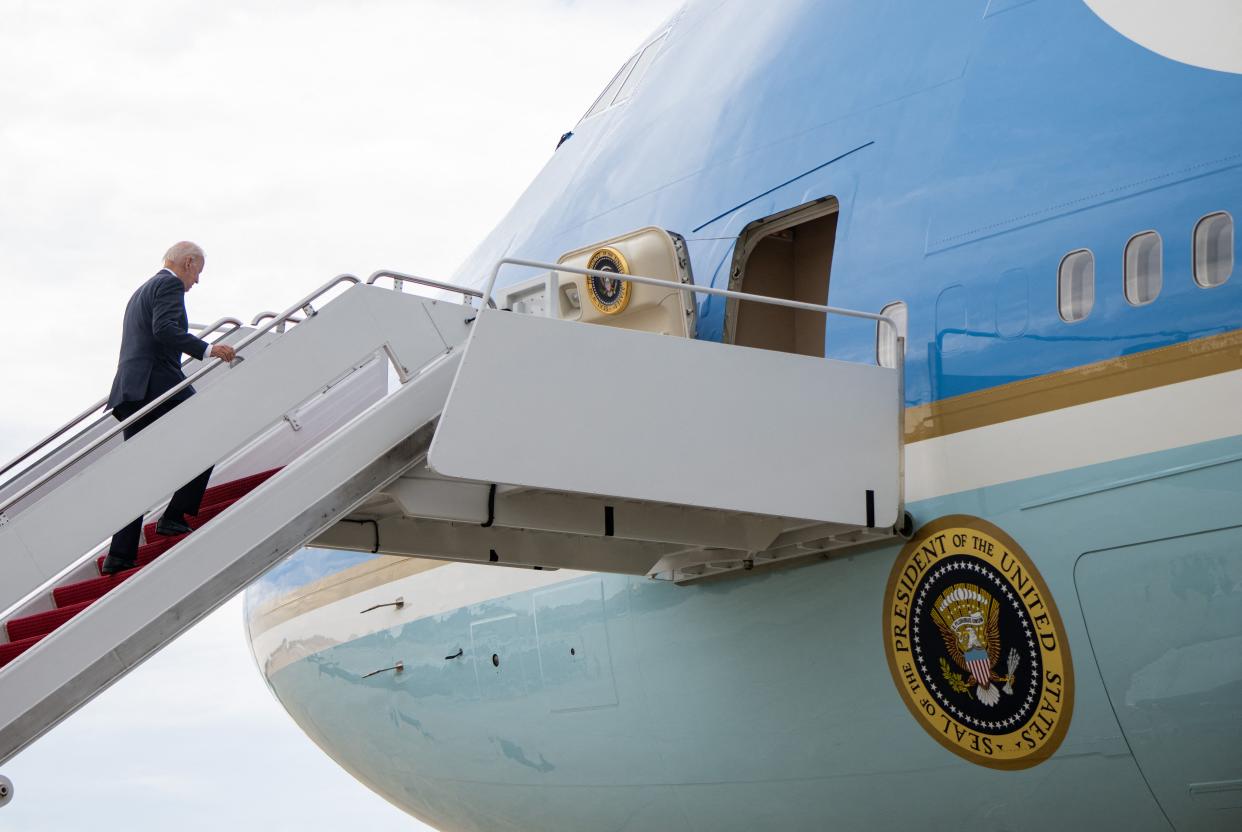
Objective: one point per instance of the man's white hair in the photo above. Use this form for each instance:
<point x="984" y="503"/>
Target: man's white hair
<point x="182" y="250"/>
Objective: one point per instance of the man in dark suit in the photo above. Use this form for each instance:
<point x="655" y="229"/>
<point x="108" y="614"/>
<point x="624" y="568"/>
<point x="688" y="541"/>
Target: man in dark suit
<point x="155" y="334"/>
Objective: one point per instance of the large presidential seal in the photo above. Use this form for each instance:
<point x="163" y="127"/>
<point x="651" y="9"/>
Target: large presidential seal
<point x="609" y="295"/>
<point x="976" y="645"/>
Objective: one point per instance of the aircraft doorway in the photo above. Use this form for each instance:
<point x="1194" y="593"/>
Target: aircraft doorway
<point x="789" y="256"/>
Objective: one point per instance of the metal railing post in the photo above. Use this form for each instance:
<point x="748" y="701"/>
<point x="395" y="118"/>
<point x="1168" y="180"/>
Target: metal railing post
<point x="901" y="428"/>
<point x="553" y="306"/>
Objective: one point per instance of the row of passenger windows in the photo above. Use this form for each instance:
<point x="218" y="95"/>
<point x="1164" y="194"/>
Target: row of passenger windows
<point x="1144" y="276"/>
<point x="1144" y="267"/>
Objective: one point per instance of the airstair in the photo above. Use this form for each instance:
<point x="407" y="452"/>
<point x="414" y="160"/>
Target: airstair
<point x="516" y="440"/>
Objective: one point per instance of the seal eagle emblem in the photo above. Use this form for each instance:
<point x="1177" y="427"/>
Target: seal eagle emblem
<point x="976" y="645"/>
<point x="969" y="621"/>
<point x="608" y="294"/>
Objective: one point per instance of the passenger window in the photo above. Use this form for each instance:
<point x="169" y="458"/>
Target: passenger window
<point x="885" y="340"/>
<point x="1144" y="264"/>
<point x="1076" y="285"/>
<point x="1213" y="249"/>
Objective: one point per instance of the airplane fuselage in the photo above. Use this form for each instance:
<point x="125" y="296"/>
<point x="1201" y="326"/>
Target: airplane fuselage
<point x="1079" y="434"/>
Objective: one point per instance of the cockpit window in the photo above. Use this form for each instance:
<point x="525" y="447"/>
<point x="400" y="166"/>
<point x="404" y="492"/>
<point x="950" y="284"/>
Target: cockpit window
<point x="640" y="69"/>
<point x="610" y="92"/>
<point x="623" y="84"/>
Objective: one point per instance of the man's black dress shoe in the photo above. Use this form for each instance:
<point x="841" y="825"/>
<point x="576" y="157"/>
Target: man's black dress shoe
<point x="113" y="565"/>
<point x="169" y="527"/>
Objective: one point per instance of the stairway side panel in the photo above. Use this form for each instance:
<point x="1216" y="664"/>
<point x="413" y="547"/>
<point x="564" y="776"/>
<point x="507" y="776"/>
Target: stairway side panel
<point x="600" y="410"/>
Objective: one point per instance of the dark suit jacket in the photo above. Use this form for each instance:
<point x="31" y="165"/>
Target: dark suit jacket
<point x="155" y="334"/>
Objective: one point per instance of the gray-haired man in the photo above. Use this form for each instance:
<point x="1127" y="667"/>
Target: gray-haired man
<point x="153" y="339"/>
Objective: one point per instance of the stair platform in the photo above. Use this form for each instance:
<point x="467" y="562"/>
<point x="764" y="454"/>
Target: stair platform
<point x="739" y="429"/>
<point x="639" y="453"/>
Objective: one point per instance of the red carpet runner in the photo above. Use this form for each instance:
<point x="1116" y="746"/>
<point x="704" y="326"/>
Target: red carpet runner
<point x="72" y="598"/>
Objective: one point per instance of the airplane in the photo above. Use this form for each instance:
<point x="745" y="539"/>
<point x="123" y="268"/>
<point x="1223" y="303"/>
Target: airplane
<point x="840" y="432"/>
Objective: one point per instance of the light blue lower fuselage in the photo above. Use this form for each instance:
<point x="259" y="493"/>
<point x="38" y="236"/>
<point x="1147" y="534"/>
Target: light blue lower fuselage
<point x="765" y="702"/>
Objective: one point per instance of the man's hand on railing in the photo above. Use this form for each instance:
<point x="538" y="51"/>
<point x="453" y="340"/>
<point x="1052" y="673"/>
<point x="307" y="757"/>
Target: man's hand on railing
<point x="223" y="352"/>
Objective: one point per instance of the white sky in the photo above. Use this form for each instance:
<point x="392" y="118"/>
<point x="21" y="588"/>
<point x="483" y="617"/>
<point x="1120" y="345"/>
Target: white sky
<point x="292" y="139"/>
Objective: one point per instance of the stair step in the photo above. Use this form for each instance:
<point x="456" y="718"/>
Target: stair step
<point x="204" y="514"/>
<point x="13" y="649"/>
<point x="90" y="590"/>
<point x="231" y="492"/>
<point x="233" y="489"/>
<point x="149" y="551"/>
<point x="42" y="623"/>
<point x="216" y="499"/>
<point x="72" y="598"/>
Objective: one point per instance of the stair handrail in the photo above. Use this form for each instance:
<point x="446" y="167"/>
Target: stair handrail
<point x="232" y="323"/>
<point x="210" y="364"/>
<point x="280" y="327"/>
<point x="552" y="309"/>
<point x="399" y="280"/>
<point x="211" y="328"/>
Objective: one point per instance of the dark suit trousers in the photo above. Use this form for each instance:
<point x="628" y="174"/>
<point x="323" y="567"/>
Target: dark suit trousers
<point x="186" y="500"/>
